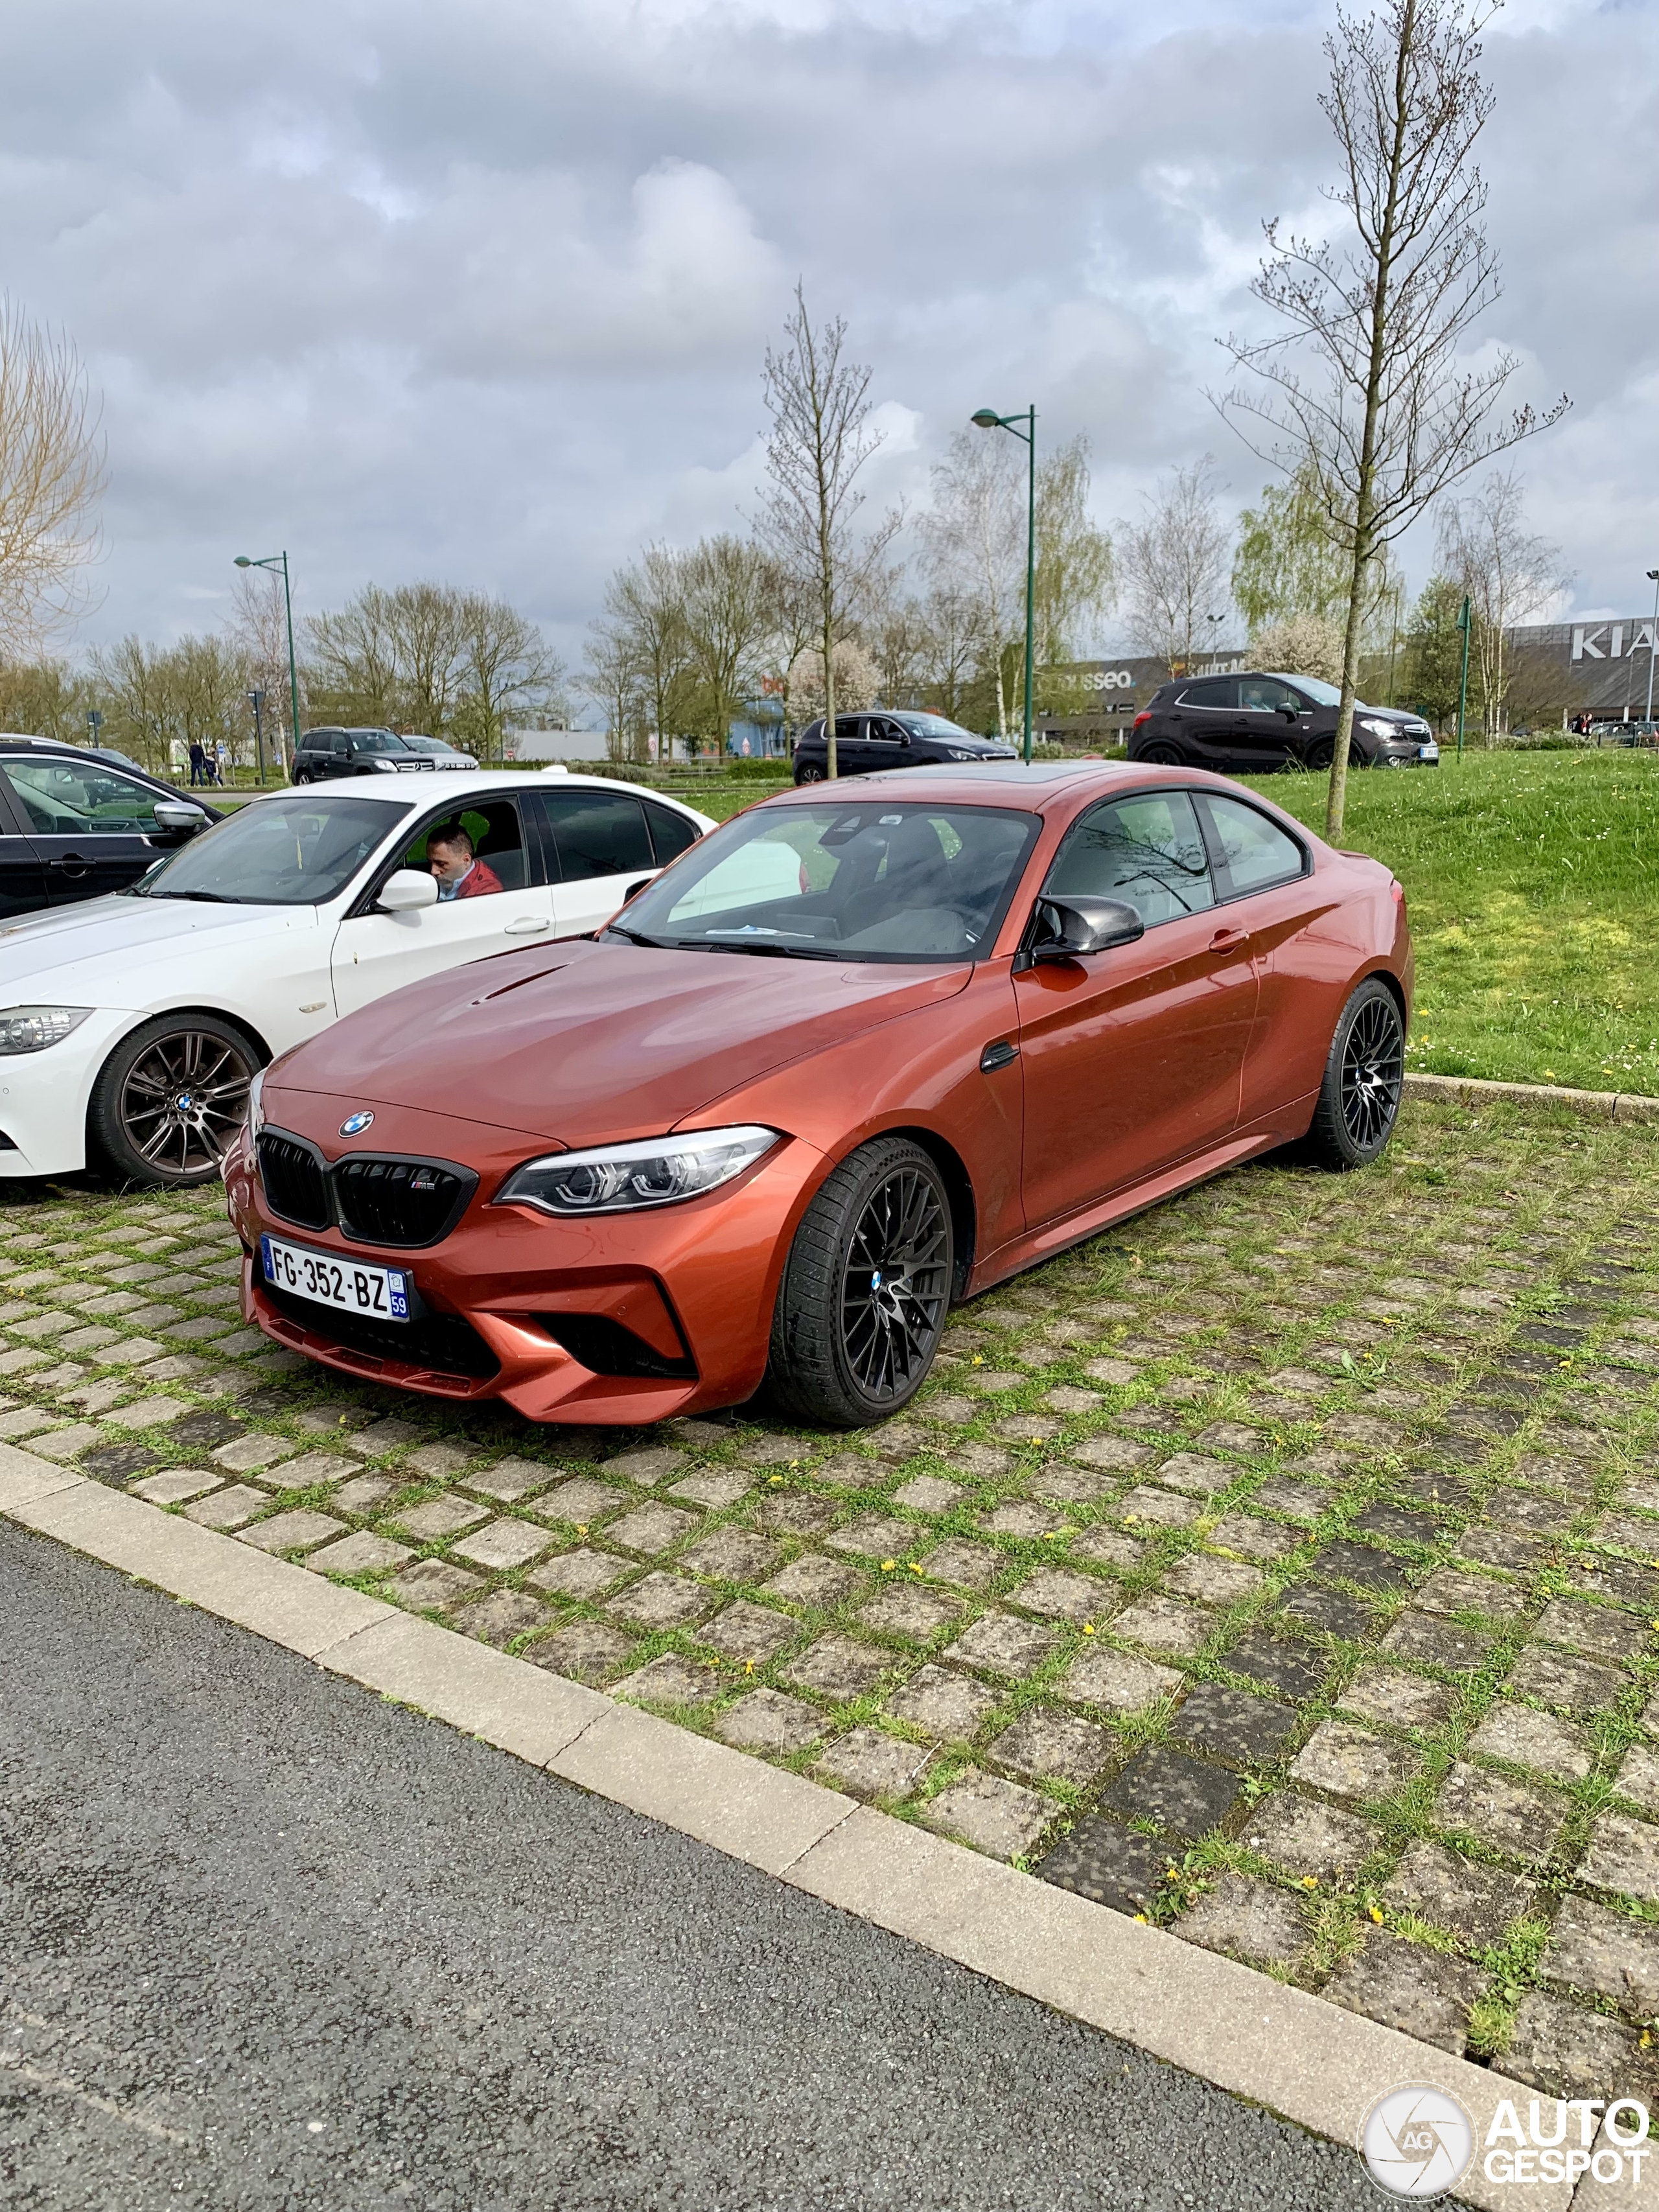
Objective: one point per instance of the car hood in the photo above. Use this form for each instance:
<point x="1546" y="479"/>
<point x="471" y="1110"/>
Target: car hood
<point x="982" y="748"/>
<point x="105" y="952"/>
<point x="579" y="1043"/>
<point x="1402" y="717"/>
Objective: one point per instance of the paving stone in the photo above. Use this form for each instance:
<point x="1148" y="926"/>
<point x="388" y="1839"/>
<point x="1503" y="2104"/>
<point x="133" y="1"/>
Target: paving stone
<point x="814" y="1581"/>
<point x="1029" y="1428"/>
<point x="503" y="1544"/>
<point x="1107" y="1864"/>
<point x="1116" y="1679"/>
<point x="1000" y="1645"/>
<point x="731" y="1555"/>
<point x="648" y="1468"/>
<point x="1047" y="1745"/>
<point x="906" y="1609"/>
<point x="971" y="1565"/>
<point x="67" y="1444"/>
<point x="1350" y="1762"/>
<point x="1567" y="2051"/>
<point x="1164" y="1623"/>
<point x="231" y="1508"/>
<point x="436" y="1518"/>
<point x="868" y="1763"/>
<point x="385" y="1435"/>
<point x="1420" y="1992"/>
<point x="1059" y="1483"/>
<point x="358" y="1554"/>
<point x="245" y="1454"/>
<point x="586" y="1651"/>
<point x="1309" y="1837"/>
<point x="1257" y="1540"/>
<point x="794" y="1512"/>
<point x="431" y="1583"/>
<point x="876" y="1536"/>
<point x="1638" y="1778"/>
<point x="155" y="1413"/>
<point x="714" y="1487"/>
<point x="23" y="1421"/>
<point x="1506" y="1816"/>
<point x="1333" y="1612"/>
<point x="1213" y="1581"/>
<point x="1107" y="1547"/>
<point x="986" y="1462"/>
<point x="1249" y="1920"/>
<point x="1475" y="1903"/>
<point x="1234" y="1725"/>
<point x="203" y="1430"/>
<point x="661" y="1600"/>
<point x="650" y="1528"/>
<point x="1195" y="1473"/>
<point x="1396" y="1698"/>
<point x="750" y="1632"/>
<point x="1062" y="1594"/>
<point x="770" y="1451"/>
<point x="580" y="1502"/>
<point x="1525" y="1509"/>
<point x="943" y="1705"/>
<point x="1593" y="1628"/>
<point x="1178" y="1793"/>
<point x="1432" y="1487"/>
<point x="839" y="1667"/>
<point x="1498" y="1547"/>
<point x="1021" y="1517"/>
<point x="927" y="1493"/>
<point x="1437" y="1642"/>
<point x="1160" y="1509"/>
<point x="1295" y="1670"/>
<point x="1526" y="1738"/>
<point x="769" y="1721"/>
<point x="1594" y="1948"/>
<point x="1361" y="1564"/>
<point x="364" y="1494"/>
<point x="1616" y="1580"/>
<point x="672" y="1680"/>
<point x="1113" y="1371"/>
<point x="1002" y="1818"/>
<point x="1623" y="1855"/>
<point x="1450" y="1590"/>
<point x="1395" y="1525"/>
<point x="1114" y="1453"/>
<point x="1297" y="1501"/>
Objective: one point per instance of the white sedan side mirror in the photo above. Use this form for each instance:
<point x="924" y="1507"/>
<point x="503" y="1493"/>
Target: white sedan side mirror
<point x="407" y="890"/>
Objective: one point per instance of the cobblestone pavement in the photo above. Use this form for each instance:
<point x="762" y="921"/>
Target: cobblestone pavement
<point x="1283" y="1567"/>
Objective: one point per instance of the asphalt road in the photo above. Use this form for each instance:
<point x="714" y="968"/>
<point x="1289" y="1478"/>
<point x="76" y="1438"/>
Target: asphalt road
<point x="266" y="1941"/>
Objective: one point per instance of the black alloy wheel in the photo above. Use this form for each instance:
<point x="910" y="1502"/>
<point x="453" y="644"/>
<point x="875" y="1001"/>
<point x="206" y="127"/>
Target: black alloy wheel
<point x="1320" y="754"/>
<point x="170" y="1097"/>
<point x="1359" y="1097"/>
<point x="809" y="772"/>
<point x="865" y="1291"/>
<point x="1161" y="754"/>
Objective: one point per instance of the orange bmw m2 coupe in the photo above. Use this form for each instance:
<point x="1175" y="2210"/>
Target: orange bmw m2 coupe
<point x="855" y="1056"/>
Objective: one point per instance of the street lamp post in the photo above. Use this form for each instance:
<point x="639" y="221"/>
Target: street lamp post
<point x="1653" y="578"/>
<point x="1463" y="681"/>
<point x="273" y="562"/>
<point x="257" y="700"/>
<point x="987" y="418"/>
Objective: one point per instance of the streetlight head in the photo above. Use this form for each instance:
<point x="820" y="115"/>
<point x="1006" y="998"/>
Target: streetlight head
<point x="242" y="561"/>
<point x="1653" y="575"/>
<point x="986" y="418"/>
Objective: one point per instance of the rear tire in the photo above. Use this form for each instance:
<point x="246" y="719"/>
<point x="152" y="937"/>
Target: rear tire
<point x="1161" y="754"/>
<point x="865" y="1290"/>
<point x="170" y="1097"/>
<point x="809" y="772"/>
<point x="1359" y="1097"/>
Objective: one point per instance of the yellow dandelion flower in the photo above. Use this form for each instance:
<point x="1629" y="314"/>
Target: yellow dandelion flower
<point x="888" y="1565"/>
<point x="775" y="1478"/>
<point x="747" y="1666"/>
<point x="1310" y="1881"/>
<point x="1376" y="1915"/>
<point x="581" y="1527"/>
<point x="1088" y="1628"/>
<point x="1141" y="1919"/>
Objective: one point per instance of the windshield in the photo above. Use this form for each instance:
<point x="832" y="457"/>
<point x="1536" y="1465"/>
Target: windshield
<point x="877" y="881"/>
<point x="277" y="852"/>
<point x="1321" y="694"/>
<point x="376" y="741"/>
<point x="933" y="725"/>
<point x="426" y="745"/>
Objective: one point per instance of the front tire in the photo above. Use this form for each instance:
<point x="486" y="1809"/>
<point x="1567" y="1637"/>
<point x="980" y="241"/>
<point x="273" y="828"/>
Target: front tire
<point x="170" y="1097"/>
<point x="1359" y="1097"/>
<point x="1320" y="754"/>
<point x="865" y="1290"/>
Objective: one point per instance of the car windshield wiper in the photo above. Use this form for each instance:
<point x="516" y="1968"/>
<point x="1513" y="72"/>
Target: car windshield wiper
<point x="766" y="949"/>
<point x="639" y="937"/>
<point x="212" y="898"/>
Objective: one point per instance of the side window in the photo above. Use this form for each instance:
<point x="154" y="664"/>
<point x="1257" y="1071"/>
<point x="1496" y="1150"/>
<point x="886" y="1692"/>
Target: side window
<point x="849" y="728"/>
<point x="592" y="834"/>
<point x="69" y="798"/>
<point x="473" y="852"/>
<point x="670" y="832"/>
<point x="1214" y="691"/>
<point x="1147" y="851"/>
<point x="1258" y="852"/>
<point x="1261" y="695"/>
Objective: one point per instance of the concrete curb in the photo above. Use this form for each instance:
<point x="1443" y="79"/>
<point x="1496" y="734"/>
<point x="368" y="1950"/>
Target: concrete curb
<point x="1474" y="1091"/>
<point x="1311" y="2062"/>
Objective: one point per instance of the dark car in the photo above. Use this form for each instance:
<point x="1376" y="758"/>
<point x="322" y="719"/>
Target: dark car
<point x="1252" y="724"/>
<point x="904" y="739"/>
<point x="331" y="752"/>
<point x="74" y="826"/>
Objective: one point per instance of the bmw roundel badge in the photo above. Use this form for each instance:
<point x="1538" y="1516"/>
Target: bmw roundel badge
<point x="355" y="1124"/>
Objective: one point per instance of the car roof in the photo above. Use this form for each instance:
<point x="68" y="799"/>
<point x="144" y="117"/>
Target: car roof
<point x="446" y="782"/>
<point x="1002" y="783"/>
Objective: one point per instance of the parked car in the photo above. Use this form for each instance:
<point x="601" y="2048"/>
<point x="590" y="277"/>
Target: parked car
<point x="440" y="751"/>
<point x="1252" y="723"/>
<point x="74" y="826"/>
<point x="132" y="1026"/>
<point x="866" y="743"/>
<point x="855" y="1056"/>
<point x="324" y="753"/>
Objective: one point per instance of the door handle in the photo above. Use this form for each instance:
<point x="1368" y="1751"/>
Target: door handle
<point x="528" y="926"/>
<point x="71" y="863"/>
<point x="1002" y="1054"/>
<point x="1228" y="940"/>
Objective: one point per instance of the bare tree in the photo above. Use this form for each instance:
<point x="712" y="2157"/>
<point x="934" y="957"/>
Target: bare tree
<point x="820" y="440"/>
<point x="1174" y="565"/>
<point x="193" y="692"/>
<point x="615" y="680"/>
<point x="52" y="474"/>
<point x="950" y="647"/>
<point x="1075" y="567"/>
<point x="506" y="665"/>
<point x="257" y="630"/>
<point x="973" y="541"/>
<point x="726" y="602"/>
<point x="1362" y="383"/>
<point x="646" y="599"/>
<point x="352" y="662"/>
<point x="1510" y="575"/>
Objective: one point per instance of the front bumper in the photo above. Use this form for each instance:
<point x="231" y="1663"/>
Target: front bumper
<point x="691" y="1286"/>
<point x="43" y="1096"/>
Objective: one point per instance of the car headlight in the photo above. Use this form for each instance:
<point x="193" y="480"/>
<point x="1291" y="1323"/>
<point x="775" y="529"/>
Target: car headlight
<point x="953" y="752"/>
<point x="31" y="1029"/>
<point x="384" y="767"/>
<point x="621" y="1178"/>
<point x="1377" y="728"/>
<point x="256" y="1103"/>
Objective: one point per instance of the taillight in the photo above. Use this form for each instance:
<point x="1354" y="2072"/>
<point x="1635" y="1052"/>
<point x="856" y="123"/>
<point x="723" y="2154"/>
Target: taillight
<point x="1397" y="893"/>
<point x="1144" y="715"/>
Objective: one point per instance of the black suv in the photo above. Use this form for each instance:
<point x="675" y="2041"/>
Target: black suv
<point x="332" y="752"/>
<point x="73" y="825"/>
<point x="1251" y="724"/>
<point x="904" y="738"/>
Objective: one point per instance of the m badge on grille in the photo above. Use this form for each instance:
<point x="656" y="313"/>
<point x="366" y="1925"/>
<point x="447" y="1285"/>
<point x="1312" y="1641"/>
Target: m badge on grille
<point x="355" y="1124"/>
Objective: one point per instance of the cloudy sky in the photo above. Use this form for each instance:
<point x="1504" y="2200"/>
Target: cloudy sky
<point x="480" y="291"/>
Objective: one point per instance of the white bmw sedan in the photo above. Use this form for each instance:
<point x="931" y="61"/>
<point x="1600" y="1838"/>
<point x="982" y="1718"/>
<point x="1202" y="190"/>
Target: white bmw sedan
<point x="132" y="1026"/>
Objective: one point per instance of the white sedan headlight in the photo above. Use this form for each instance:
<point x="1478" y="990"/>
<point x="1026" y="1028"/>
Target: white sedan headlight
<point x="256" y="1103"/>
<point x="622" y="1178"/>
<point x="31" y="1029"/>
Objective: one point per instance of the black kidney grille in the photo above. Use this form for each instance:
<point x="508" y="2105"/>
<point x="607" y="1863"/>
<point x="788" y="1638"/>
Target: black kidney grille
<point x="442" y="1342"/>
<point x="294" y="1180"/>
<point x="398" y="1201"/>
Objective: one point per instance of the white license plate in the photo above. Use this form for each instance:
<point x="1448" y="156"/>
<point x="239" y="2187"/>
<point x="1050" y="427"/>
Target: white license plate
<point x="381" y="1294"/>
<point x="1428" y="752"/>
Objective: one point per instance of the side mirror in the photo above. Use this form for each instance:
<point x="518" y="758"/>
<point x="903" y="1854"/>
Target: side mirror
<point x="405" y="890"/>
<point x="179" y="814"/>
<point x="1290" y="713"/>
<point x="1068" y="928"/>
